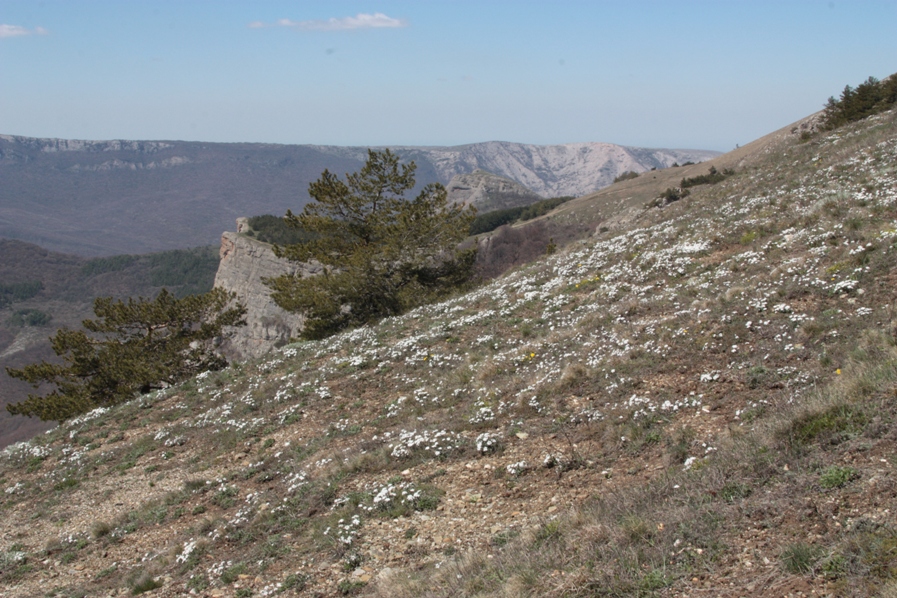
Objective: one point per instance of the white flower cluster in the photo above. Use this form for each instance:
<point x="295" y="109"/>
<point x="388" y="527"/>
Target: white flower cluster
<point x="689" y="401"/>
<point x="515" y="469"/>
<point x="487" y="443"/>
<point x="390" y="495"/>
<point x="346" y="531"/>
<point x="87" y="416"/>
<point x="436" y="443"/>
<point x="218" y="568"/>
<point x="844" y="286"/>
<point x="26" y="450"/>
<point x="294" y="481"/>
<point x="243" y="514"/>
<point x="395" y="407"/>
<point x="189" y="547"/>
<point x="483" y="414"/>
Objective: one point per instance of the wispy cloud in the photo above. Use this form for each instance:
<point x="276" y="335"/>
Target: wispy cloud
<point x="18" y="31"/>
<point x="378" y="20"/>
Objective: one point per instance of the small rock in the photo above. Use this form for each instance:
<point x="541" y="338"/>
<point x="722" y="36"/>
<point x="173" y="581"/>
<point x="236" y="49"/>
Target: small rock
<point x="384" y="573"/>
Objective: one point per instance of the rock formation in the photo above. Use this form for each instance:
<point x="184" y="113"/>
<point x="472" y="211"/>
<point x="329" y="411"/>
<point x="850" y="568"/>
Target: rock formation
<point x="245" y="262"/>
<point x="487" y="191"/>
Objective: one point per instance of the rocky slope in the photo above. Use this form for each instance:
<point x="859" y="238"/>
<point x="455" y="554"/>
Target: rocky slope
<point x="487" y="191"/>
<point x="698" y="401"/>
<point x="108" y="197"/>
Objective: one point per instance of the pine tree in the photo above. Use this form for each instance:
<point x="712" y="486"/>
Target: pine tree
<point x="380" y="253"/>
<point x="132" y="347"/>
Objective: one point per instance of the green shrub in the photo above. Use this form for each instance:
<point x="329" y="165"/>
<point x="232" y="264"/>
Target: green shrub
<point x="145" y="583"/>
<point x="347" y="587"/>
<point x="837" y="477"/>
<point x="198" y="583"/>
<point x="670" y="195"/>
<point x="19" y="291"/>
<point x="800" y="558"/>
<point x="102" y="265"/>
<point x="275" y="230"/>
<point x="489" y="221"/>
<point x="29" y="317"/>
<point x="232" y="574"/>
<point x="294" y="581"/>
<point x="831" y="424"/>
<point x="711" y="178"/>
<point x="629" y="174"/>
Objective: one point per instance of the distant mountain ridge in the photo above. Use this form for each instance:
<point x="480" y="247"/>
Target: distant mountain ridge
<point x="549" y="170"/>
<point x="111" y="197"/>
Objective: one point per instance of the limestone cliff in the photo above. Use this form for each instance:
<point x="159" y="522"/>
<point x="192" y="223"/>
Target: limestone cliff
<point x="487" y="191"/>
<point x="245" y="262"/>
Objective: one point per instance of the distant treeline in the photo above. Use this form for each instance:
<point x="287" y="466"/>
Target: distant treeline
<point x="490" y="221"/>
<point x="29" y="317"/>
<point x="629" y="174"/>
<point x="711" y="178"/>
<point x="868" y="98"/>
<point x="274" y="230"/>
<point x="183" y="271"/>
<point x="20" y="291"/>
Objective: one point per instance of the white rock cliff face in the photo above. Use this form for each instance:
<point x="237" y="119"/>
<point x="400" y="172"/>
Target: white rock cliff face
<point x="487" y="191"/>
<point x="550" y="170"/>
<point x="245" y="262"/>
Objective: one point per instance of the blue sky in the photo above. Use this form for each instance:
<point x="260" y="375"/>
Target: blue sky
<point x="684" y="74"/>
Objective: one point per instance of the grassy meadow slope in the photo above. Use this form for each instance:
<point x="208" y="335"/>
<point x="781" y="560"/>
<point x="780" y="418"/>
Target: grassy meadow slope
<point x="698" y="401"/>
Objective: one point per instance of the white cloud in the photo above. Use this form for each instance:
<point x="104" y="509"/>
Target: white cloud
<point x="18" y="31"/>
<point x="360" y="21"/>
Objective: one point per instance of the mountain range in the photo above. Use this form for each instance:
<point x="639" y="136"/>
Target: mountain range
<point x="96" y="198"/>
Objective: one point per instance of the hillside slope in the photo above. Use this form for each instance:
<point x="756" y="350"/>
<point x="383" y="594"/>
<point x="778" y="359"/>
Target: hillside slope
<point x="112" y="197"/>
<point x="699" y="401"/>
<point x="64" y="290"/>
<point x="487" y="191"/>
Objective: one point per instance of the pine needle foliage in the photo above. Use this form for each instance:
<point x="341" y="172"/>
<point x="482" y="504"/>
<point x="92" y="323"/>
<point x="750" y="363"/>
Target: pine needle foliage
<point x="380" y="253"/>
<point x="133" y="346"/>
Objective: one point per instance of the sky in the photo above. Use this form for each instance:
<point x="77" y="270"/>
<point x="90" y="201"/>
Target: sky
<point x="684" y="74"/>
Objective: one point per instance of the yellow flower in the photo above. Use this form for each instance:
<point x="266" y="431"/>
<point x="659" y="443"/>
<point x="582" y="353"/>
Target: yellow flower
<point x="838" y="371"/>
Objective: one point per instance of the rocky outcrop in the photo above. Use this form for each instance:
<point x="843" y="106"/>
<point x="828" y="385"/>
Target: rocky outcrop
<point x="245" y="263"/>
<point x="487" y="191"/>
